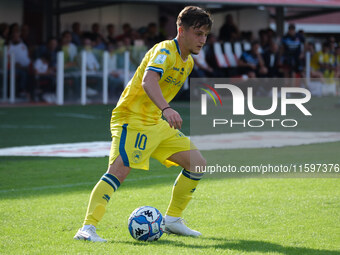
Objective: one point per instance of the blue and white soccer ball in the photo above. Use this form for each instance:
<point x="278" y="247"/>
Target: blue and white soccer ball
<point x="146" y="223"/>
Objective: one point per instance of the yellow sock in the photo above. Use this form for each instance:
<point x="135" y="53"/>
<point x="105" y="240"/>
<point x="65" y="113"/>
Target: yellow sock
<point x="99" y="198"/>
<point x="184" y="186"/>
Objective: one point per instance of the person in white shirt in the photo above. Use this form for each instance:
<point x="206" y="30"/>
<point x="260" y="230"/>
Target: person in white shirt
<point x="92" y="63"/>
<point x="70" y="50"/>
<point x="44" y="78"/>
<point x="116" y="74"/>
<point x="92" y="67"/>
<point x="19" y="49"/>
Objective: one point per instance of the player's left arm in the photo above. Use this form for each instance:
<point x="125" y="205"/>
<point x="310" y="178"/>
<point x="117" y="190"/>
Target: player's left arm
<point x="152" y="89"/>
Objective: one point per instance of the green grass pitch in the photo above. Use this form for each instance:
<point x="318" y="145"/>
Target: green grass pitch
<point x="43" y="200"/>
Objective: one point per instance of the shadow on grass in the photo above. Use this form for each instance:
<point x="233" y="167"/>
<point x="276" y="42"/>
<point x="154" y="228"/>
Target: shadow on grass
<point x="238" y="246"/>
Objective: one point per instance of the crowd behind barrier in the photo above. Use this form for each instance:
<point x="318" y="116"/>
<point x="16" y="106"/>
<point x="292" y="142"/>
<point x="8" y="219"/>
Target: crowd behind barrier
<point x="233" y="53"/>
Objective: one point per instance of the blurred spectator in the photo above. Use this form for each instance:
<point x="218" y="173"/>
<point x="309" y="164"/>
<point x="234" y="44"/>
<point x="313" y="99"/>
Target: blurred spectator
<point x="314" y="72"/>
<point x="116" y="74"/>
<point x="95" y="29"/>
<point x="14" y="27"/>
<point x="151" y="37"/>
<point x="4" y="31"/>
<point x="264" y="40"/>
<point x="332" y="44"/>
<point x="27" y="37"/>
<point x="271" y="60"/>
<point x="272" y="37"/>
<point x="136" y="38"/>
<point x="51" y="50"/>
<point x="112" y="63"/>
<point x="247" y="36"/>
<point x="310" y="47"/>
<point x="92" y="63"/>
<point x="76" y="34"/>
<point x="251" y="62"/>
<point x="98" y="43"/>
<point x="127" y="33"/>
<point x="110" y="34"/>
<point x="291" y="52"/>
<point x="19" y="49"/>
<point x="92" y="67"/>
<point x="41" y="65"/>
<point x="229" y="31"/>
<point x="209" y="51"/>
<point x="301" y="35"/>
<point x="337" y="62"/>
<point x="22" y="62"/>
<point x="69" y="49"/>
<point x="44" y="78"/>
<point x="323" y="62"/>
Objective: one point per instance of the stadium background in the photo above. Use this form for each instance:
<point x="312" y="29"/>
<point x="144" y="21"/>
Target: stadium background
<point x="43" y="27"/>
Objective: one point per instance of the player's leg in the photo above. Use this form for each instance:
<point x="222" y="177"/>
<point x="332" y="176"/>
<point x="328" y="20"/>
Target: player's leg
<point x="100" y="196"/>
<point x="191" y="161"/>
<point x="102" y="192"/>
<point x="131" y="147"/>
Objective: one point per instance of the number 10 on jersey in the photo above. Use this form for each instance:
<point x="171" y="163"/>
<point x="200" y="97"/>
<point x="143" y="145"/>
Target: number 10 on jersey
<point x="141" y="141"/>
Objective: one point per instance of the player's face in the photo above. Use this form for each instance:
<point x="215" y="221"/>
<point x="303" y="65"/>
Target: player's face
<point x="195" y="38"/>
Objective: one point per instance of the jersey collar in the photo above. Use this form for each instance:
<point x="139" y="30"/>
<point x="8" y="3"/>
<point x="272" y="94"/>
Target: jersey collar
<point x="179" y="51"/>
<point x="177" y="46"/>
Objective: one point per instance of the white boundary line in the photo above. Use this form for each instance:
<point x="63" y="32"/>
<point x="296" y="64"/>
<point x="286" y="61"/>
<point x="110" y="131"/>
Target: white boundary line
<point x="265" y="139"/>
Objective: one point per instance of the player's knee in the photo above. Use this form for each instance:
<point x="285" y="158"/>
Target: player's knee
<point x="199" y="165"/>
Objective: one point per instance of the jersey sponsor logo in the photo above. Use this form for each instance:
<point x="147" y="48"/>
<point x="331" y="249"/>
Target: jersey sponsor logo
<point x="165" y="50"/>
<point x="160" y="59"/>
<point x="173" y="81"/>
<point x="177" y="69"/>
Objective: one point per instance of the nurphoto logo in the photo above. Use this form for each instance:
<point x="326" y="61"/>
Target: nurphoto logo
<point x="239" y="100"/>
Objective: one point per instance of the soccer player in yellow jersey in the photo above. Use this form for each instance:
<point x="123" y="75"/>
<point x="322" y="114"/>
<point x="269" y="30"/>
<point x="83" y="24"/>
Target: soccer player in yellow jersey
<point x="139" y="132"/>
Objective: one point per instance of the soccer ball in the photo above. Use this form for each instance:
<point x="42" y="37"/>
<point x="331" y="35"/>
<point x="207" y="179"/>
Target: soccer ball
<point x="146" y="223"/>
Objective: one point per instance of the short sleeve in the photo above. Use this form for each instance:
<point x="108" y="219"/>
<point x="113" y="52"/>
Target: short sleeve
<point x="160" y="60"/>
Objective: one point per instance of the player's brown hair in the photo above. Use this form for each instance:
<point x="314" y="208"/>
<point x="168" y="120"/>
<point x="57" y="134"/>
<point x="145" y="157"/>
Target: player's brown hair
<point x="193" y="16"/>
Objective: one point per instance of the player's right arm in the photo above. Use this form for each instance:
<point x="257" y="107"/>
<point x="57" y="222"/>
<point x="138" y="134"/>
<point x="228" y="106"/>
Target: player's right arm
<point x="152" y="89"/>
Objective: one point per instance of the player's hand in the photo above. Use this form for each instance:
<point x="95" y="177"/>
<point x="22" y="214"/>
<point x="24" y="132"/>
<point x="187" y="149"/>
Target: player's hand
<point x="173" y="118"/>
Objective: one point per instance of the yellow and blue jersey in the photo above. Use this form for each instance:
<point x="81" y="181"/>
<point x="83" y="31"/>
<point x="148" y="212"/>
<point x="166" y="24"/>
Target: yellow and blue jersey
<point x="322" y="58"/>
<point x="134" y="106"/>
